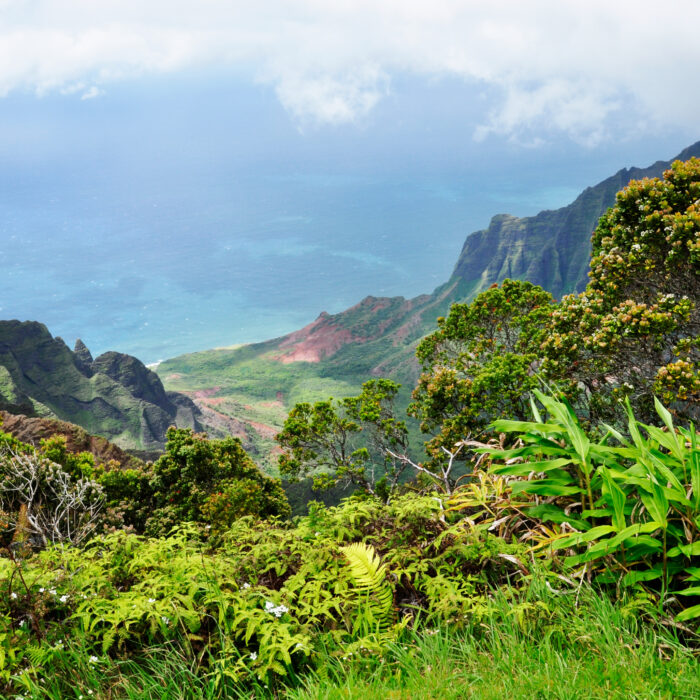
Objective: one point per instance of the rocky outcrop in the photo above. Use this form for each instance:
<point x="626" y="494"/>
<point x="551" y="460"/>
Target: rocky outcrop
<point x="32" y="431"/>
<point x="551" y="249"/>
<point x="115" y="396"/>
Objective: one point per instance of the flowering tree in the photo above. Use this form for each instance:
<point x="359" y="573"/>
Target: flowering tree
<point x="634" y="331"/>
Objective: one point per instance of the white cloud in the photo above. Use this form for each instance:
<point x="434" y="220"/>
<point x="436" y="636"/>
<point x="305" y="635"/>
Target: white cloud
<point x="556" y="65"/>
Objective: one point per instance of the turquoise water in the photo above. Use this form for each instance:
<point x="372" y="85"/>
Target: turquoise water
<point x="171" y="216"/>
<point x="158" y="268"/>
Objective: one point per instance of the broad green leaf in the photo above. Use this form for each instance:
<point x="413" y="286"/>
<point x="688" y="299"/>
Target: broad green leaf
<point x="544" y="487"/>
<point x="693" y="590"/>
<point x="688" y="614"/>
<point x="525" y="468"/>
<point x="616" y="434"/>
<point x="519" y="426"/>
<point x="689" y="550"/>
<point x="656" y="502"/>
<point x="667" y="440"/>
<point x="635" y="576"/>
<point x="535" y="410"/>
<point x="553" y="514"/>
<point x="596" y="513"/>
<point x="626" y="534"/>
<point x="580" y="537"/>
<point x="618" y="498"/>
<point x="668" y="422"/>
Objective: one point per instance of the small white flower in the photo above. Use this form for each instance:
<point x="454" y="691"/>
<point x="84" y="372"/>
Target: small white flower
<point x="151" y="600"/>
<point x="246" y="586"/>
<point x="41" y="590"/>
<point x="52" y="591"/>
<point x="318" y="534"/>
<point x="166" y="620"/>
<point x="253" y="656"/>
<point x="269" y="606"/>
<point x="93" y="659"/>
<point x="22" y="623"/>
<point x="13" y="595"/>
<point x="64" y="598"/>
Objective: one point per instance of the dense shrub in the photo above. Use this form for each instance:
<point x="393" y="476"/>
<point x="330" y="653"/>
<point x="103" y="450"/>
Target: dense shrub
<point x="208" y="480"/>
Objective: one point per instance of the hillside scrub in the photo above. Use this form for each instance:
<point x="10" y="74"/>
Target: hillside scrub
<point x="274" y="604"/>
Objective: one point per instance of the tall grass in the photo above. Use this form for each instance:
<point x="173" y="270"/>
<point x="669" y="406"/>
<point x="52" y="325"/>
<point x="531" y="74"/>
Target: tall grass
<point x="567" y="644"/>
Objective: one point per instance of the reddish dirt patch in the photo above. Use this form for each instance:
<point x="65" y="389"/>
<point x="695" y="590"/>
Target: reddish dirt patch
<point x="174" y="376"/>
<point x="215" y="402"/>
<point x="266" y="431"/>
<point x="272" y="404"/>
<point x="205" y="393"/>
<point x="314" y="342"/>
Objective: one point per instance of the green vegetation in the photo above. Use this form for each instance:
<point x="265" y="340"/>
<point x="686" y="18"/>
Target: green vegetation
<point x="348" y="441"/>
<point x="114" y="396"/>
<point x="562" y="558"/>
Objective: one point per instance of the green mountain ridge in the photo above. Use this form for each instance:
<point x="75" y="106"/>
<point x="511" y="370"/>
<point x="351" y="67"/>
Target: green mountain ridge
<point x="115" y="396"/>
<point x="255" y="385"/>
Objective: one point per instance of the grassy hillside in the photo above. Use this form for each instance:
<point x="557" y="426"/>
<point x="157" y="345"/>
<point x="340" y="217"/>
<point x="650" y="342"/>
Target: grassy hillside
<point x="247" y="391"/>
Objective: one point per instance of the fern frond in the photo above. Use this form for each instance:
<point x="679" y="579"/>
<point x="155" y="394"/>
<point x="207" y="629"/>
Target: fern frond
<point x="365" y="566"/>
<point x="369" y="576"/>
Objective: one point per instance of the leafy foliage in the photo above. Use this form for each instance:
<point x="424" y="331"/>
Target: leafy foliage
<point x="636" y="329"/>
<point x="209" y="480"/>
<point x="478" y="365"/>
<point x="259" y="605"/>
<point x="347" y="441"/>
<point x="631" y="511"/>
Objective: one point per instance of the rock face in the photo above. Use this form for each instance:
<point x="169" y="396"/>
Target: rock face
<point x="32" y="430"/>
<point x="115" y="396"/>
<point x="551" y="249"/>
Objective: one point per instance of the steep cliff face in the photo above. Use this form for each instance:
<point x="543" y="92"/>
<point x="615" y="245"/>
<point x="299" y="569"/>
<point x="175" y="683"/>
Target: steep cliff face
<point x="551" y="249"/>
<point x="115" y="396"/>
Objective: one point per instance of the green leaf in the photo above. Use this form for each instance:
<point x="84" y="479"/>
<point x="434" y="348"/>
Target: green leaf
<point x="693" y="590"/>
<point x="689" y="550"/>
<point x="553" y="514"/>
<point x="519" y="426"/>
<point x="618" y="498"/>
<point x="668" y="422"/>
<point x="581" y="537"/>
<point x="635" y="576"/>
<point x="528" y="467"/>
<point x="688" y="614"/>
<point x="544" y="487"/>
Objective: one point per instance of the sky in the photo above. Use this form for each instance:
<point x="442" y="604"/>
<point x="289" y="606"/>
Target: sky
<point x="557" y="66"/>
<point x="114" y="107"/>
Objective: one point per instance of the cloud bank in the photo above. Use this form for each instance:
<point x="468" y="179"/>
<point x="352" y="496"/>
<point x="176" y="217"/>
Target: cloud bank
<point x="548" y="65"/>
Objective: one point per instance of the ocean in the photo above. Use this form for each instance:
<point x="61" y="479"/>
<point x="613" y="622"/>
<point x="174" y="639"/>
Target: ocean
<point x="157" y="268"/>
<point x="172" y="216"/>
